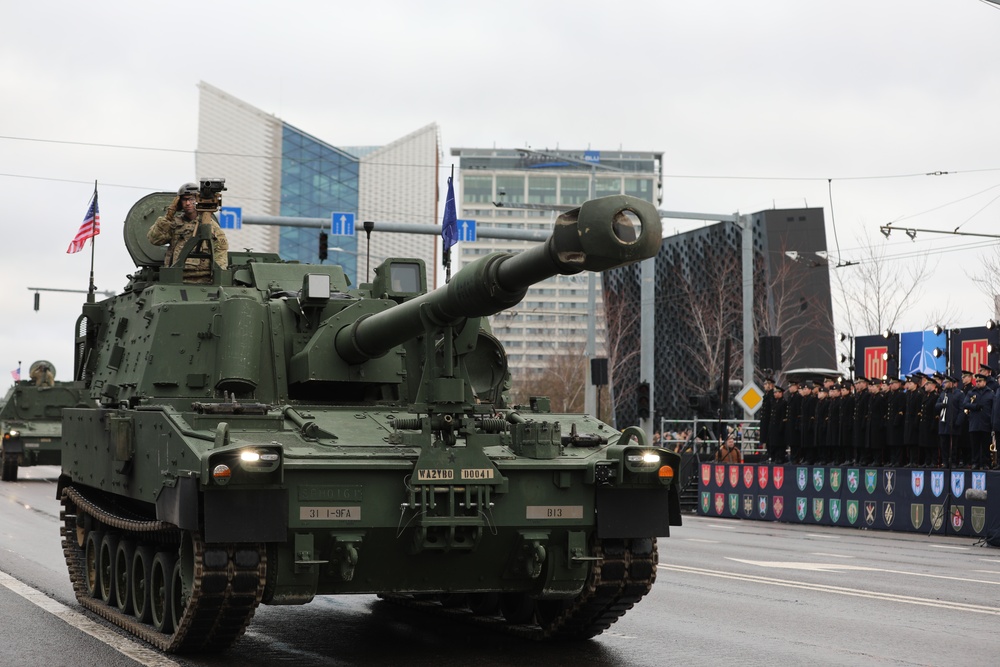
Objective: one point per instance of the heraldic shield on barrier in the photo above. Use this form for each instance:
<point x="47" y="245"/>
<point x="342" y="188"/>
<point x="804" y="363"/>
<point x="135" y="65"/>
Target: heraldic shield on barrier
<point x="932" y="501"/>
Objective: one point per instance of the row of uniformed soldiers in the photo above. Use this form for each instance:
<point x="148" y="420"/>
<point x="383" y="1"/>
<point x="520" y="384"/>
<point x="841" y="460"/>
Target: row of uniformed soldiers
<point x="922" y="421"/>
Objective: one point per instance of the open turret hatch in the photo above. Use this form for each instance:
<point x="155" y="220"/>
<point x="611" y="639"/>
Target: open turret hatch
<point x="140" y="218"/>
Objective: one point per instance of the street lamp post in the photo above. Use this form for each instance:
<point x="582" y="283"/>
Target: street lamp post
<point x="849" y="357"/>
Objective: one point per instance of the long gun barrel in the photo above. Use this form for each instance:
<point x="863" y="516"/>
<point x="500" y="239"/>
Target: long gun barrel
<point x="602" y="234"/>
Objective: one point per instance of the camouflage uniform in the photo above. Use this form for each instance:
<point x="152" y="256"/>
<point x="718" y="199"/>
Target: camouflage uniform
<point x="176" y="230"/>
<point x="43" y="377"/>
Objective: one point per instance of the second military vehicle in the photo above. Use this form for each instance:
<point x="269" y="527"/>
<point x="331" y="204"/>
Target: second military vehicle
<point x="276" y="434"/>
<point x="31" y="419"/>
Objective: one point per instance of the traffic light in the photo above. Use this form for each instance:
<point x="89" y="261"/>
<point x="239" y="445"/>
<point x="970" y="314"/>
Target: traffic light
<point x="322" y="245"/>
<point x="37" y="300"/>
<point x="642" y="400"/>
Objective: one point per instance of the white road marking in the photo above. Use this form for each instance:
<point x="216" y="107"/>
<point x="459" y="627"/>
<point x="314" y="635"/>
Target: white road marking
<point x="817" y="553"/>
<point x="841" y="590"/>
<point x="825" y="537"/>
<point x="947" y="546"/>
<point x="834" y="567"/>
<point x="123" y="645"/>
<point x="695" y="539"/>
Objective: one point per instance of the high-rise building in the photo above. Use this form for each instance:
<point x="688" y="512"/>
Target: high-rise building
<point x="273" y="168"/>
<point x="699" y="309"/>
<point x="531" y="188"/>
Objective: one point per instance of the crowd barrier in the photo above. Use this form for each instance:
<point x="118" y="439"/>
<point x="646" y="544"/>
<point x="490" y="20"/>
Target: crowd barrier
<point x="932" y="501"/>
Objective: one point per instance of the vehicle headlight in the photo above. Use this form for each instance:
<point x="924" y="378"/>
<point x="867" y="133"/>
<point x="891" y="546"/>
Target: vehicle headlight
<point x="14" y="433"/>
<point x="256" y="459"/>
<point x="638" y="460"/>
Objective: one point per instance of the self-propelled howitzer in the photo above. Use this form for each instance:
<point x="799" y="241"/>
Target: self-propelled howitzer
<point x="276" y="434"/>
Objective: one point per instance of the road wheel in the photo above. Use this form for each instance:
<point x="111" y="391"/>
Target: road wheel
<point x="106" y="567"/>
<point x="182" y="577"/>
<point x="91" y="562"/>
<point x="139" y="577"/>
<point x="124" y="554"/>
<point x="178" y="595"/>
<point x="159" y="591"/>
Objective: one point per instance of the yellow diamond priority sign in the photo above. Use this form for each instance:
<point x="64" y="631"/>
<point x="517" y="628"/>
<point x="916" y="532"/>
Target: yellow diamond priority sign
<point x="750" y="397"/>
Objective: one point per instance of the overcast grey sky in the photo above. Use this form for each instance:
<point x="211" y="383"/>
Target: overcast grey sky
<point x="754" y="105"/>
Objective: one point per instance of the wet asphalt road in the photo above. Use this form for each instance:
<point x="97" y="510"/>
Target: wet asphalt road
<point x="727" y="591"/>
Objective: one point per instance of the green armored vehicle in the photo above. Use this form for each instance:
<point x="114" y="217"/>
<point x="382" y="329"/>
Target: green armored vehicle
<point x="31" y="419"/>
<point x="276" y="434"/>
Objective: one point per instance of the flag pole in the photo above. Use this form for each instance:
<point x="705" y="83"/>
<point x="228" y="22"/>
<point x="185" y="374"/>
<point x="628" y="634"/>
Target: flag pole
<point x="93" y="288"/>
<point x="444" y="241"/>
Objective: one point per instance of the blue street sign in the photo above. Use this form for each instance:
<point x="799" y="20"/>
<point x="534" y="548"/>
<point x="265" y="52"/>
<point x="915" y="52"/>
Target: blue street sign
<point x="231" y="217"/>
<point x="466" y="230"/>
<point x="342" y="224"/>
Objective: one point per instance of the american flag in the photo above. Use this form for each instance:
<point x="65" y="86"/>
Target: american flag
<point x="16" y="373"/>
<point x="90" y="228"/>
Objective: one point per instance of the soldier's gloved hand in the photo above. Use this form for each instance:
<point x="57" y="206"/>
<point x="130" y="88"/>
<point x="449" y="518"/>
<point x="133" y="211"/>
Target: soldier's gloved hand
<point x="172" y="209"/>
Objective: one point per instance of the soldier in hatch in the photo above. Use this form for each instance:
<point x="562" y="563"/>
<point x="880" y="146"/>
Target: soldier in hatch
<point x="43" y="376"/>
<point x="176" y="227"/>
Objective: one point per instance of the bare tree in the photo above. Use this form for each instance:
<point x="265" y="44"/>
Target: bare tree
<point x="784" y="311"/>
<point x="714" y="313"/>
<point x="562" y="379"/>
<point x="622" y="345"/>
<point x="988" y="279"/>
<point x="874" y="293"/>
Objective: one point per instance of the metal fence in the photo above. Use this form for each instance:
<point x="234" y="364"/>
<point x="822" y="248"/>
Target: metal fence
<point x="703" y="436"/>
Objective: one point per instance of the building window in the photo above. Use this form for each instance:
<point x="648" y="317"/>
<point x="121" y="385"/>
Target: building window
<point x="477" y="189"/>
<point x="574" y="191"/>
<point x="608" y="186"/>
<point x="542" y="189"/>
<point x="512" y="187"/>
<point x="639" y="187"/>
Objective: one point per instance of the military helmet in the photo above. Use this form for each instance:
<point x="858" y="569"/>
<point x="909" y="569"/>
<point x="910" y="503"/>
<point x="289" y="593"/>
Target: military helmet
<point x="188" y="189"/>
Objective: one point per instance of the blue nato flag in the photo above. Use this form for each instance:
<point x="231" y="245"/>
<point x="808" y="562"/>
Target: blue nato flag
<point x="449" y="225"/>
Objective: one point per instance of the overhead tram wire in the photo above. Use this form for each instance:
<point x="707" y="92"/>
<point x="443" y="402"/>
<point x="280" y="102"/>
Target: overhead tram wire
<point x="395" y="164"/>
<point x="937" y="208"/>
<point x="402" y="165"/>
<point x="833" y="221"/>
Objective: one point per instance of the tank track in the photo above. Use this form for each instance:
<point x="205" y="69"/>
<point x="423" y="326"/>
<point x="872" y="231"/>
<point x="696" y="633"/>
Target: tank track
<point x="228" y="579"/>
<point x="624" y="572"/>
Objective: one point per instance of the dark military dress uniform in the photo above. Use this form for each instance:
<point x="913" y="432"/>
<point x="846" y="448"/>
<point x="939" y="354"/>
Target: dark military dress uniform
<point x="830" y="453"/>
<point x="911" y="425"/>
<point x="793" y="416"/>
<point x="776" y="437"/>
<point x="808" y="428"/>
<point x="861" y="424"/>
<point x="847" y="402"/>
<point x="895" y="414"/>
<point x="927" y="440"/>
<point x="878" y="407"/>
<point x="764" y="415"/>
<point x="822" y="428"/>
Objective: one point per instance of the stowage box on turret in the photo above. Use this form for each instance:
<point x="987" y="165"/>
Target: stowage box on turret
<point x="31" y="419"/>
<point x="275" y="434"/>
